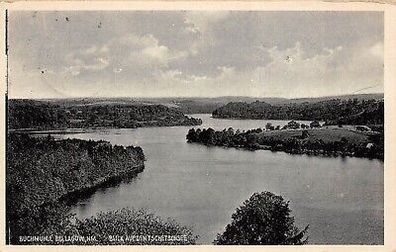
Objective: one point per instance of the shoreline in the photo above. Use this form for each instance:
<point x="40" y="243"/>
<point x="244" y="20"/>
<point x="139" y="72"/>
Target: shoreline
<point x="306" y="152"/>
<point x="329" y="142"/>
<point x="66" y="131"/>
<point x="73" y="197"/>
<point x="47" y="176"/>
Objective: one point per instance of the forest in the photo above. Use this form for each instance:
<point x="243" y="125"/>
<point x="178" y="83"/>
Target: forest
<point x="327" y="142"/>
<point x="43" y="171"/>
<point x="332" y="112"/>
<point x="32" y="114"/>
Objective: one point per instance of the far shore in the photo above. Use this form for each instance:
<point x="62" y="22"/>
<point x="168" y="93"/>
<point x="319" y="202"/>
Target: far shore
<point x="326" y="141"/>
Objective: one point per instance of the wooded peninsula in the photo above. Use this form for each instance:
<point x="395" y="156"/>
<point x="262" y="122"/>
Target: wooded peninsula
<point x="45" y="115"/>
<point x="352" y="127"/>
<point x="327" y="141"/>
<point x="44" y="174"/>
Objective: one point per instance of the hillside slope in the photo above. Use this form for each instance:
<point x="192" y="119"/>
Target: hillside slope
<point x="335" y="111"/>
<point x="29" y="114"/>
<point x="41" y="171"/>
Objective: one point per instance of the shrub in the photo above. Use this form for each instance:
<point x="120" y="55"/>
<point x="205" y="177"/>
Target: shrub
<point x="264" y="219"/>
<point x="304" y="134"/>
<point x="135" y="227"/>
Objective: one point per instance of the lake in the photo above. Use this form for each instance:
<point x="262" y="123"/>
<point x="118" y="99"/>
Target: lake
<point x="340" y="198"/>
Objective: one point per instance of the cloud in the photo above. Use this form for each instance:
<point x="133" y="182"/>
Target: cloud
<point x="291" y="73"/>
<point x="203" y="53"/>
<point x="146" y="47"/>
<point x="333" y="71"/>
<point x="139" y="54"/>
<point x="201" y="23"/>
<point x="93" y="64"/>
<point x="377" y="50"/>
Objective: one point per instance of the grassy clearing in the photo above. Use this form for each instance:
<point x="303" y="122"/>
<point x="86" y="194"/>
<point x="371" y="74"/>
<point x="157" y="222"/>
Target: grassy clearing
<point x="327" y="135"/>
<point x="328" y="141"/>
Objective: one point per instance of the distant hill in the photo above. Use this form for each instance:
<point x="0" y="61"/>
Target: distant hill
<point x="140" y="112"/>
<point x="335" y="111"/>
<point x="197" y="105"/>
<point x="340" y="97"/>
<point x="29" y="114"/>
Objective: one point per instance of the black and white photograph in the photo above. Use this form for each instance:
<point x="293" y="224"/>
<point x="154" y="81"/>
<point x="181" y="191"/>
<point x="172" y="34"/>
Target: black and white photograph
<point x="194" y="127"/>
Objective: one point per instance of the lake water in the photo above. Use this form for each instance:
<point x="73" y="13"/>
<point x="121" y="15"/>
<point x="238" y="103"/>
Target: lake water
<point x="340" y="198"/>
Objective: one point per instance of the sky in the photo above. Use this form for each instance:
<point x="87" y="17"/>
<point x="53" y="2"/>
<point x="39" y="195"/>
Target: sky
<point x="70" y="54"/>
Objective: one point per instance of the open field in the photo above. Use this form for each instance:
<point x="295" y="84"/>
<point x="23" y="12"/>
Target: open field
<point x="328" y="141"/>
<point x="327" y="134"/>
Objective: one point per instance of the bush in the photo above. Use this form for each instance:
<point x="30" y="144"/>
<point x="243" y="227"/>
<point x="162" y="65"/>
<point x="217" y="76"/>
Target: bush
<point x="119" y="227"/>
<point x="304" y="134"/>
<point x="129" y="226"/>
<point x="264" y="219"/>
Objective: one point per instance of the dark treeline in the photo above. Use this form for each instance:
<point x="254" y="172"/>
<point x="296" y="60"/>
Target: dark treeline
<point x="198" y="107"/>
<point x="333" y="112"/>
<point x="41" y="171"/>
<point x="35" y="114"/>
<point x="302" y="142"/>
<point x="46" y="115"/>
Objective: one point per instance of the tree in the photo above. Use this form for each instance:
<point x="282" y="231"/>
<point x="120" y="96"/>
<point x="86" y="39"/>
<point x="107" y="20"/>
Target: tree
<point x="264" y="219"/>
<point x="230" y="131"/>
<point x="251" y="139"/>
<point x="293" y="125"/>
<point x="304" y="134"/>
<point x="268" y="126"/>
<point x="192" y="136"/>
<point x="314" y="124"/>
